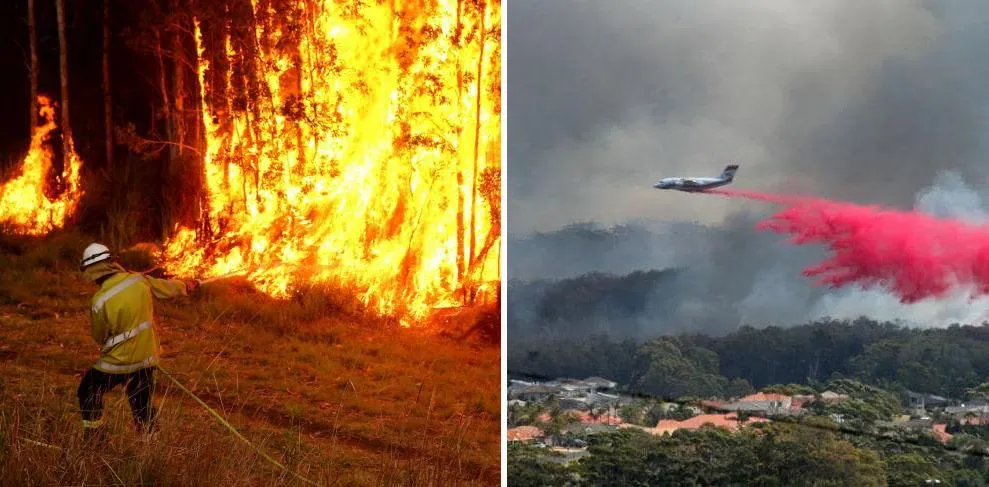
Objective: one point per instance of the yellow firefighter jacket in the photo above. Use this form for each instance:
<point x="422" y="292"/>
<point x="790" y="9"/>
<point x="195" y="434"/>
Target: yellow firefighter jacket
<point x="122" y="320"/>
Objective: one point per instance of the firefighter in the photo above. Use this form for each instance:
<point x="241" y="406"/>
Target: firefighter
<point x="122" y="325"/>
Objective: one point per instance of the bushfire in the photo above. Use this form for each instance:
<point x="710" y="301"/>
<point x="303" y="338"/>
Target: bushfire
<point x="357" y="144"/>
<point x="350" y="143"/>
<point x="30" y="202"/>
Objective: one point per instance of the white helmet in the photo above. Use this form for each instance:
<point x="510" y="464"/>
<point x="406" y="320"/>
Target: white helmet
<point x="94" y="253"/>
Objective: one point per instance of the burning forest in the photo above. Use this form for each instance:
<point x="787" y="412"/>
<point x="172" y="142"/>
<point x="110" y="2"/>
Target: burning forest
<point x="274" y="225"/>
<point x="290" y="141"/>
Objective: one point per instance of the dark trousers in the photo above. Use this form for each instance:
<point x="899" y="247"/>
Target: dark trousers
<point x="140" y="387"/>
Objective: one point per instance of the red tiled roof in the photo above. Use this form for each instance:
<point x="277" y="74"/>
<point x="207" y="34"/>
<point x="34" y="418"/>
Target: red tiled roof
<point x="762" y="396"/>
<point x="975" y="420"/>
<point x="586" y="418"/>
<point x="726" y="421"/>
<point x="940" y="433"/>
<point x="524" y="433"/>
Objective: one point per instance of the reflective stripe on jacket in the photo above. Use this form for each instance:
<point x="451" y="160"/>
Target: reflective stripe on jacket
<point x="121" y="315"/>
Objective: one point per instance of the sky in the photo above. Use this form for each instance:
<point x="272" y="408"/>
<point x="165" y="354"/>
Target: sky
<point x="882" y="102"/>
<point x="864" y="101"/>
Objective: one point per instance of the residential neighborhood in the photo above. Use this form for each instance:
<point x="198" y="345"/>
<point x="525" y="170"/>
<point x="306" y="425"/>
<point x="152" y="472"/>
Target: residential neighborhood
<point x="561" y="414"/>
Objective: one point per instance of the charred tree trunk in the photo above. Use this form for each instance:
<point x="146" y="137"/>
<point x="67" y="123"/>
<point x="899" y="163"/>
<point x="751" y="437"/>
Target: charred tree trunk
<point x="31" y="23"/>
<point x="166" y="103"/>
<point x="64" y="150"/>
<point x="63" y="61"/>
<point x="185" y="167"/>
<point x="107" y="100"/>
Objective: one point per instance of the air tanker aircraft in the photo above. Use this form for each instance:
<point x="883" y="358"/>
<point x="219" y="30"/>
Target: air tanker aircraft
<point x="693" y="185"/>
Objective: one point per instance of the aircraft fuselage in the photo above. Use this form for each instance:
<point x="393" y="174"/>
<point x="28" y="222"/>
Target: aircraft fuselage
<point x="693" y="185"/>
<point x="690" y="185"/>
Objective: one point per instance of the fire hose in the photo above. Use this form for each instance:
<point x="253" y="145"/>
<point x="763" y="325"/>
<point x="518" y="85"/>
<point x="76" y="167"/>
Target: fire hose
<point x="219" y="418"/>
<point x="217" y="415"/>
<point x="233" y="430"/>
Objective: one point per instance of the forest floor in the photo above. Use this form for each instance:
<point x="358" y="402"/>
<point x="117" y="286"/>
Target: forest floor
<point x="335" y="396"/>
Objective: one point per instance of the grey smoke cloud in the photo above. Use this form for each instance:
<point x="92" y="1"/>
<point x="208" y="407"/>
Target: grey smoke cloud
<point x="865" y="101"/>
<point x="730" y="274"/>
<point x="881" y="102"/>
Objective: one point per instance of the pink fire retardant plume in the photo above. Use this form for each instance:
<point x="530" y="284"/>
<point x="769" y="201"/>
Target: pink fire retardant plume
<point x="912" y="254"/>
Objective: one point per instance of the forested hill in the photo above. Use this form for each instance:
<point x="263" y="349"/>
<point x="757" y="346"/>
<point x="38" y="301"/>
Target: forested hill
<point x="592" y="304"/>
<point x="944" y="361"/>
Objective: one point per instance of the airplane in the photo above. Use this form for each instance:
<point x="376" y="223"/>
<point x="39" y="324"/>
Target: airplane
<point x="694" y="185"/>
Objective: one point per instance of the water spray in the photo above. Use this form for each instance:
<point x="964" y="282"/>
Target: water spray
<point x="228" y="275"/>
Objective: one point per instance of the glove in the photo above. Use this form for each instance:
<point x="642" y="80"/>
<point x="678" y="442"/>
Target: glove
<point x="191" y="286"/>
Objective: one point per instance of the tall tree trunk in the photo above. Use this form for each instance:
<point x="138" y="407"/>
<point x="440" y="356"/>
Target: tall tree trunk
<point x="166" y="111"/>
<point x="178" y="93"/>
<point x="31" y="23"/>
<point x="107" y="100"/>
<point x="203" y="220"/>
<point x="461" y="231"/>
<point x="477" y="135"/>
<point x="63" y="61"/>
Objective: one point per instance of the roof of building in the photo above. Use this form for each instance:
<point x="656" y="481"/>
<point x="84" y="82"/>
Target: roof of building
<point x="753" y="406"/>
<point x="600" y="382"/>
<point x="587" y="418"/>
<point x="524" y="433"/>
<point x="726" y="421"/>
<point x="967" y="408"/>
<point x="832" y="396"/>
<point x="536" y="389"/>
<point x="590" y="429"/>
<point x="940" y="432"/>
<point x="763" y="396"/>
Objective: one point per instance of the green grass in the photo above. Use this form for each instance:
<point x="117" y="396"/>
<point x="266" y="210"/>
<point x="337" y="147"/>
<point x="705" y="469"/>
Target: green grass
<point x="339" y="396"/>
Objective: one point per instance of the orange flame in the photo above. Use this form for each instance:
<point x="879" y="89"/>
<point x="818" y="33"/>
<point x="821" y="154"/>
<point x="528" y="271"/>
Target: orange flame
<point x="372" y="159"/>
<point x="25" y="207"/>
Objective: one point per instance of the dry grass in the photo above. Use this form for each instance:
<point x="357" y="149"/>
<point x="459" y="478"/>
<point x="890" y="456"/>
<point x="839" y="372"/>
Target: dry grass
<point x="339" y="397"/>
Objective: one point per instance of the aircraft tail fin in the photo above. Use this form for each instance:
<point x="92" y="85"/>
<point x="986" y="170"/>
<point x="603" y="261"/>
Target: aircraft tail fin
<point x="729" y="172"/>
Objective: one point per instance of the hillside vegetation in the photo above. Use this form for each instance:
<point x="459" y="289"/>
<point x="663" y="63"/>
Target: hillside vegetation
<point x="946" y="361"/>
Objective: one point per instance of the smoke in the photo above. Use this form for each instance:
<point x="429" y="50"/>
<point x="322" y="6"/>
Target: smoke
<point x="865" y="102"/>
<point x="859" y="101"/>
<point x="917" y="267"/>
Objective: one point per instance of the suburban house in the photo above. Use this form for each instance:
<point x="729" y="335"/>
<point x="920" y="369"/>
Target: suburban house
<point x="940" y="433"/>
<point x="729" y="422"/>
<point x="831" y="396"/>
<point x="920" y="402"/>
<point x="535" y="392"/>
<point x="524" y="434"/>
<point x="586" y="407"/>
<point x="589" y="429"/>
<point x="600" y="383"/>
<point x="609" y="417"/>
<point x="590" y="400"/>
<point x="580" y="388"/>
<point x="760" y="404"/>
<point x="969" y="413"/>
